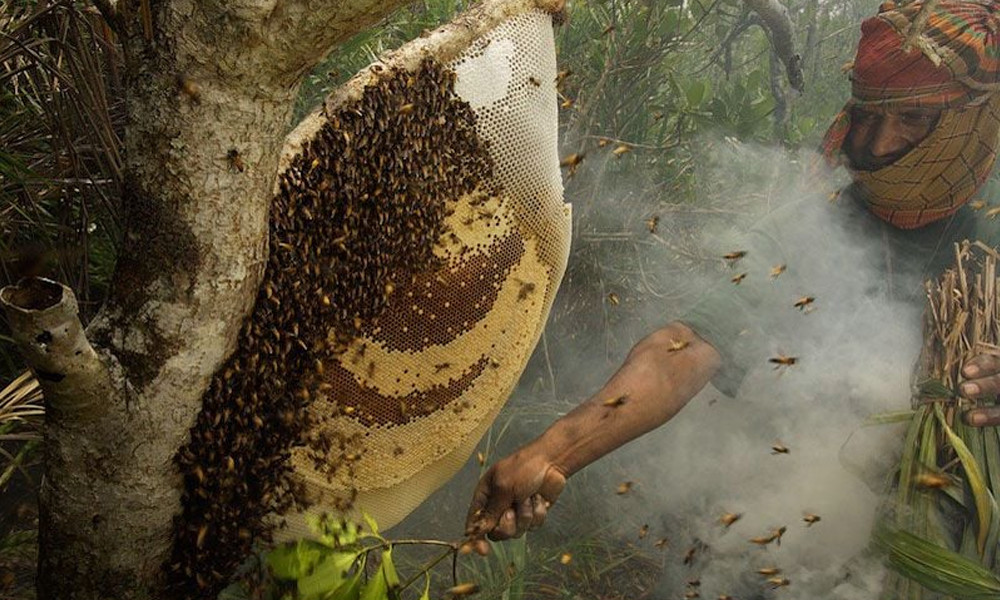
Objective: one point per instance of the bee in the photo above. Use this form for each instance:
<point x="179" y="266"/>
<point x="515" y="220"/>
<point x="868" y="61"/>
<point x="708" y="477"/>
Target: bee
<point x="572" y="162"/>
<point x="777" y="582"/>
<point x="677" y="345"/>
<point x="689" y="556"/>
<point x="613" y="299"/>
<point x="661" y="543"/>
<point x="561" y="76"/>
<point x="769" y="571"/>
<point x="774" y="536"/>
<point x="463" y="589"/>
<point x="441" y="367"/>
<point x="734" y="257"/>
<point x="930" y="480"/>
<point x="527" y="288"/>
<point x="725" y="597"/>
<point x="603" y="142"/>
<point x="993" y="212"/>
<point x="534" y="81"/>
<point x="624" y="488"/>
<point x="643" y="531"/>
<point x="480" y="458"/>
<point x="202" y="534"/>
<point x="694" y="582"/>
<point x="832" y="196"/>
<point x="235" y="160"/>
<point x="616" y="401"/>
<point x="738" y="279"/>
<point x="692" y="594"/>
<point x="804" y="302"/>
<point x="977" y="205"/>
<point x="406" y="109"/>
<point x="657" y="116"/>
<point x="567" y="103"/>
<point x="778" y="448"/>
<point x="566" y="558"/>
<point x="189" y="88"/>
<point x="777" y="270"/>
<point x="783" y="361"/>
<point x="621" y="149"/>
<point x="652" y="222"/>
<point x="810" y="519"/>
<point x="608" y="30"/>
<point x="728" y="519"/>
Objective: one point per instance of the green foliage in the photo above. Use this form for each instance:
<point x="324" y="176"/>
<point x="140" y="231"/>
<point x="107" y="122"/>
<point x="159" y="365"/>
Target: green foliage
<point x="937" y="568"/>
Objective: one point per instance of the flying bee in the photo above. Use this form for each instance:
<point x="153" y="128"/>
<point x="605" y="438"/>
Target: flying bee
<point x="613" y="299"/>
<point x="783" y="361"/>
<point x="677" y="345"/>
<point x="566" y="558"/>
<point x="977" y="205"/>
<point x="661" y="543"/>
<point x="728" y="519"/>
<point x="562" y="75"/>
<point x="689" y="556"/>
<point x="608" y="30"/>
<point x="930" y="480"/>
<point x="777" y="270"/>
<point x="774" y="536"/>
<point x="692" y="594"/>
<point x="725" y="597"/>
<point x="734" y="257"/>
<point x="993" y="212"/>
<point x="566" y="103"/>
<point x="621" y="149"/>
<point x="652" y="222"/>
<point x="603" y="142"/>
<point x="810" y="519"/>
<point x="189" y="88"/>
<point x="804" y="302"/>
<point x="235" y="160"/>
<point x="624" y="488"/>
<point x="778" y="448"/>
<point x="480" y="458"/>
<point x="572" y="162"/>
<point x="769" y="571"/>
<point x="738" y="279"/>
<point x="463" y="589"/>
<point x="616" y="401"/>
<point x="643" y="531"/>
<point x="777" y="582"/>
<point x="694" y="582"/>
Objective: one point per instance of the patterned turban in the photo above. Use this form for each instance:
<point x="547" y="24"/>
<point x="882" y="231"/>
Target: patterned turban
<point x="953" y="65"/>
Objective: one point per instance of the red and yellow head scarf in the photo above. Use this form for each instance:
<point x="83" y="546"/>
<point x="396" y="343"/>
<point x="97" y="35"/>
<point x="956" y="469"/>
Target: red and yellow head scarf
<point x="954" y="66"/>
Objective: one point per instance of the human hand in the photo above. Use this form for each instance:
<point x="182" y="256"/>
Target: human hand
<point x="983" y="381"/>
<point x="513" y="496"/>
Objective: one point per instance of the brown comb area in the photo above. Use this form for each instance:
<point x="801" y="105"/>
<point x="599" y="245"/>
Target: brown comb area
<point x="370" y="407"/>
<point x="424" y="312"/>
<point x="363" y="205"/>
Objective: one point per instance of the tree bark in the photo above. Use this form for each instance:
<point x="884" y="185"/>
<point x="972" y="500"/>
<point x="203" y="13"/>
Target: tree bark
<point x="781" y="32"/>
<point x="210" y="91"/>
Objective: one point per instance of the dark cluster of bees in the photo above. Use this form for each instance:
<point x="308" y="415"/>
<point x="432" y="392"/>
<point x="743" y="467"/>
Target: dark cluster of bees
<point x="358" y="214"/>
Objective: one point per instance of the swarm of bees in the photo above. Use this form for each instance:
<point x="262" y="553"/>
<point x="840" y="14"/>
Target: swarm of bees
<point x="342" y="240"/>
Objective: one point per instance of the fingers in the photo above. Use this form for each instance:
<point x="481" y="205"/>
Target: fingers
<point x="983" y="417"/>
<point x="539" y="509"/>
<point x="489" y="504"/>
<point x="981" y="365"/>
<point x="506" y="527"/>
<point x="983" y="373"/>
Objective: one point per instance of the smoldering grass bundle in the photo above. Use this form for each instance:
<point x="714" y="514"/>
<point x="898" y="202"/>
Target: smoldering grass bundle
<point x="942" y="525"/>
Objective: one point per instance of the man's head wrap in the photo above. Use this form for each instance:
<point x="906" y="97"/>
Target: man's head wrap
<point x="947" y="57"/>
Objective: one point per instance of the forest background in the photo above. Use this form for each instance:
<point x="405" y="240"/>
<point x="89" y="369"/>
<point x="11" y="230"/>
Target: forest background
<point x="673" y="82"/>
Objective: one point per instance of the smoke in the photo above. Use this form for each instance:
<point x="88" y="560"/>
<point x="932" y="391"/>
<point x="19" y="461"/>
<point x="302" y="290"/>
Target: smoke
<point x="855" y="347"/>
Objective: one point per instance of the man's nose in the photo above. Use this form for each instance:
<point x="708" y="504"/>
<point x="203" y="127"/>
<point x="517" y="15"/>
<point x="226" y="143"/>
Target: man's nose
<point x="886" y="139"/>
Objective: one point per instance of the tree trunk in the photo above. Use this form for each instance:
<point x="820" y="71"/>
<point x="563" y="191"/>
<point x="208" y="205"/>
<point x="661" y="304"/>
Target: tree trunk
<point x="210" y="91"/>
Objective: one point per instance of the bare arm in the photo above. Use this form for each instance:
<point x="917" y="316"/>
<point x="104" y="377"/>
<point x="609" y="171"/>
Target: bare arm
<point x="658" y="378"/>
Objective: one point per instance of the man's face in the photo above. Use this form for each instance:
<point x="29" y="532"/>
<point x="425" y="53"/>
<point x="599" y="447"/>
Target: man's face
<point x="880" y="136"/>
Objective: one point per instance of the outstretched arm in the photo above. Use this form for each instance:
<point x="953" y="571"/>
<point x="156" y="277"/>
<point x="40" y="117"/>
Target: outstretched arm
<point x="660" y="375"/>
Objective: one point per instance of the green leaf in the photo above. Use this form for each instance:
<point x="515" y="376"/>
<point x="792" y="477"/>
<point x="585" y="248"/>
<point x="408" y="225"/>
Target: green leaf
<point x="329" y="574"/>
<point x="350" y="589"/>
<point x="427" y="587"/>
<point x="334" y="533"/>
<point x="372" y="525"/>
<point x="936" y="568"/>
<point x="294" y="561"/>
<point x="932" y="388"/>
<point x="384" y="585"/>
<point x="696" y="93"/>
<point x="975" y="478"/>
